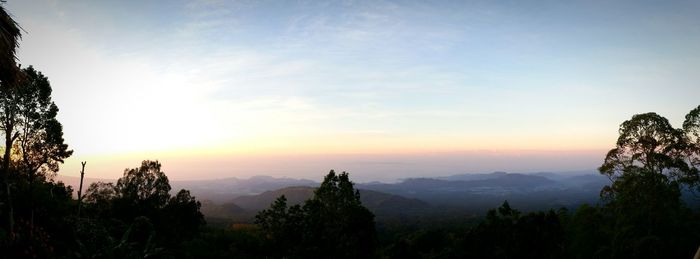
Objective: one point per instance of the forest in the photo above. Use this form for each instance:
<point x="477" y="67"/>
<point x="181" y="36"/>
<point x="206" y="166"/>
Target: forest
<point x="639" y="214"/>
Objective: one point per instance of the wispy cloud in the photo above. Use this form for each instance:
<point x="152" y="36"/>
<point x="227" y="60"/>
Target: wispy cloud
<point x="348" y="76"/>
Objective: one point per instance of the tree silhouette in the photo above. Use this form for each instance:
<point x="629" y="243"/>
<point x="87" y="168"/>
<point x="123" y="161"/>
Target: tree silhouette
<point x="9" y="36"/>
<point x="9" y="41"/>
<point x="340" y="224"/>
<point x="40" y="142"/>
<point x="181" y="217"/>
<point x="34" y="144"/>
<point x="332" y="224"/>
<point x="282" y="227"/>
<point x="140" y="210"/>
<point x="647" y="142"/>
<point x="507" y="233"/>
<point x="145" y="187"/>
<point x="649" y="166"/>
<point x="99" y="196"/>
<point x="691" y="127"/>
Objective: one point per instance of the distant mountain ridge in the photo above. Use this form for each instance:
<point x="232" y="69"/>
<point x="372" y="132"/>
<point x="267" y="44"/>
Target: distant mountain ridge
<point x="240" y="199"/>
<point x="223" y="190"/>
<point x="218" y="190"/>
<point x="457" y="194"/>
<point x="478" y="192"/>
<point x="471" y="177"/>
<point x="466" y="183"/>
<point x="381" y="204"/>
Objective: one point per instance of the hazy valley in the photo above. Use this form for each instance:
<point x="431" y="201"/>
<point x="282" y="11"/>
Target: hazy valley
<point x="239" y="199"/>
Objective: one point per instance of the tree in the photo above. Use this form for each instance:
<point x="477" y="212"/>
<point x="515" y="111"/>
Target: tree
<point x="651" y="163"/>
<point x="506" y="233"/>
<point x="9" y="41"/>
<point x="40" y="144"/>
<point x="98" y="197"/>
<point x="140" y="209"/>
<point x="340" y="225"/>
<point x="282" y="226"/>
<point x="331" y="224"/>
<point x="588" y="233"/>
<point x="145" y="187"/>
<point x="34" y="144"/>
<point x="648" y="143"/>
<point x="100" y="192"/>
<point x="650" y="148"/>
<point x="691" y="127"/>
<point x="9" y="36"/>
<point x="182" y="218"/>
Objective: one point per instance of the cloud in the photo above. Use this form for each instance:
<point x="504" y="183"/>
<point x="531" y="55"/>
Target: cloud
<point x="350" y="76"/>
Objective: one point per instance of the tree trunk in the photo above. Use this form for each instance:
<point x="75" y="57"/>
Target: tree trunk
<point x="80" y="190"/>
<point x="6" y="176"/>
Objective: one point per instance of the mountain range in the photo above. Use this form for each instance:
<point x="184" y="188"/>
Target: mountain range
<point x="464" y="194"/>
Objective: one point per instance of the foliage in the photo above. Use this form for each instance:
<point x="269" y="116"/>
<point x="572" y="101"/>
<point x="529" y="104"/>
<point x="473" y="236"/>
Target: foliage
<point x="649" y="144"/>
<point x="9" y="41"/>
<point x="506" y="233"/>
<point x="650" y="166"/>
<point x="100" y="195"/>
<point x="182" y="216"/>
<point x="691" y="128"/>
<point x="40" y="146"/>
<point x="142" y="195"/>
<point x="146" y="186"/>
<point x="332" y="223"/>
<point x="34" y="148"/>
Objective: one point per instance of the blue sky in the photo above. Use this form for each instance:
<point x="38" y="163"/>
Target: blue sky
<point x="211" y="80"/>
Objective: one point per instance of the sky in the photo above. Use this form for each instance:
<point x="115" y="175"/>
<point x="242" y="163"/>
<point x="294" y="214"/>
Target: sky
<point x="382" y="89"/>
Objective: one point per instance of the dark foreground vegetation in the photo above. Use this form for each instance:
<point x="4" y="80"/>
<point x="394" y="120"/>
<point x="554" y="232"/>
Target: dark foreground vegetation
<point x="639" y="215"/>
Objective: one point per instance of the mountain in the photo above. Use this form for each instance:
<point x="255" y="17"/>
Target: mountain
<point x="295" y="195"/>
<point x="216" y="190"/>
<point x="381" y="204"/>
<point x="596" y="180"/>
<point x="223" y="190"/>
<point x="478" y="192"/>
<point x="518" y="181"/>
<point x="496" y="183"/>
<point x="212" y="209"/>
<point x="472" y="177"/>
<point x="240" y="198"/>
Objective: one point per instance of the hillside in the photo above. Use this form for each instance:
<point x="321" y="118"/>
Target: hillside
<point x="381" y="204"/>
<point x="241" y="198"/>
<point x="478" y="192"/>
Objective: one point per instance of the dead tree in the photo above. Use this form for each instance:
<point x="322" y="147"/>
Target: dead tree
<point x="80" y="189"/>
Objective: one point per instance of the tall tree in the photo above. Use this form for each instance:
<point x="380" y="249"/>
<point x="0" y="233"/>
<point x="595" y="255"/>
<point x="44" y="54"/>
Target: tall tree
<point x="691" y="127"/>
<point x="9" y="40"/>
<point x="647" y="142"/>
<point x="340" y="225"/>
<point x="651" y="163"/>
<point x="332" y="224"/>
<point x="99" y="197"/>
<point x="34" y="137"/>
<point x="282" y="225"/>
<point x="34" y="144"/>
<point x="181" y="217"/>
<point x="40" y="135"/>
<point x="142" y="191"/>
<point x="142" y="195"/>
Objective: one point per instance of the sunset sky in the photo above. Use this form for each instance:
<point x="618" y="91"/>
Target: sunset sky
<point x="382" y="89"/>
